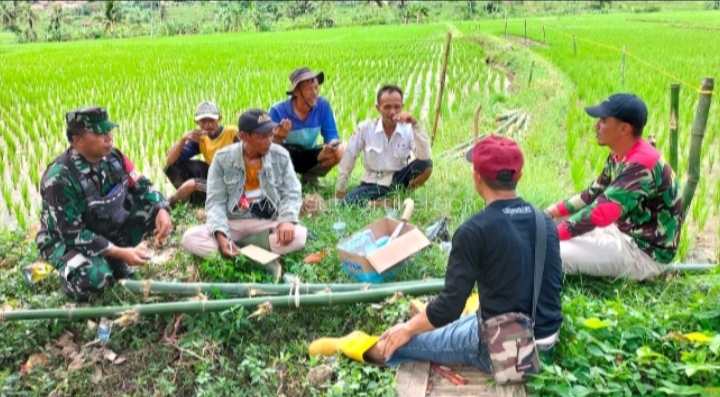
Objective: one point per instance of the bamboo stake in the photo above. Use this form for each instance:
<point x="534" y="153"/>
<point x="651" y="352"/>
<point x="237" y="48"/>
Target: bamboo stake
<point x="544" y="37"/>
<point x="438" y="103"/>
<point x="532" y="67"/>
<point x="622" y="69"/>
<point x="574" y="46"/>
<point x="251" y="289"/>
<point x="697" y="134"/>
<point x="476" y="124"/>
<point x="526" y="29"/>
<point x="422" y="288"/>
<point x="674" y="117"/>
<point x="505" y="24"/>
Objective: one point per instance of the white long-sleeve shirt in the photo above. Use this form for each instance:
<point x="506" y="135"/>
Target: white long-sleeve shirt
<point x="382" y="155"/>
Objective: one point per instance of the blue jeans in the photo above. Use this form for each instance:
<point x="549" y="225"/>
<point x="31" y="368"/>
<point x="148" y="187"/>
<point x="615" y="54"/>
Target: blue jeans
<point x="455" y="343"/>
<point x="401" y="179"/>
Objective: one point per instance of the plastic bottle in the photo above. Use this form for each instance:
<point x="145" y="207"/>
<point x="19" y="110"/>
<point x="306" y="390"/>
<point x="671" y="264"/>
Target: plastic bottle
<point x="104" y="330"/>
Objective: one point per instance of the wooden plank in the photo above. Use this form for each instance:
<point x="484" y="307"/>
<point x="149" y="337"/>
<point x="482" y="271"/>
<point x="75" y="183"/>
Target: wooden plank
<point x="412" y="378"/>
<point x="415" y="378"/>
<point x="510" y="391"/>
<point x="476" y="386"/>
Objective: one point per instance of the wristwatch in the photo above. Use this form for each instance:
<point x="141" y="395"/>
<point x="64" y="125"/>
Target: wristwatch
<point x="163" y="205"/>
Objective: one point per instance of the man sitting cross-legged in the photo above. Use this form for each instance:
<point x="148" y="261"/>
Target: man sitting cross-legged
<point x="252" y="187"/>
<point x="190" y="176"/>
<point x="494" y="249"/>
<point x="386" y="143"/>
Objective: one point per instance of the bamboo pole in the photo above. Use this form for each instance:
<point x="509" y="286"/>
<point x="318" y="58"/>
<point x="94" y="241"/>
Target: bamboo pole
<point x="476" y="123"/>
<point x="505" y="24"/>
<point x="526" y="29"/>
<point x="251" y="289"/>
<point x="574" y="46"/>
<point x="674" y="117"/>
<point x="544" y="37"/>
<point x="691" y="267"/>
<point x="509" y="121"/>
<point x="506" y="115"/>
<point x="696" y="138"/>
<point x="532" y="67"/>
<point x="422" y="288"/>
<point x="622" y="68"/>
<point x="438" y="103"/>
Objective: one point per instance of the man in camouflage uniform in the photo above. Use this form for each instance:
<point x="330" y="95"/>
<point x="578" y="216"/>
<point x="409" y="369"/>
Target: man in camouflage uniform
<point x="627" y="223"/>
<point x="495" y="251"/>
<point x="96" y="208"/>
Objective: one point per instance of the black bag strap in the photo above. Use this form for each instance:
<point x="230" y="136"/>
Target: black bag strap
<point x="540" y="242"/>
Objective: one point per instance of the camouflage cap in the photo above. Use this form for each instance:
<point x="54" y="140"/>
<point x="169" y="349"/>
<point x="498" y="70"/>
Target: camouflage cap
<point x="92" y="118"/>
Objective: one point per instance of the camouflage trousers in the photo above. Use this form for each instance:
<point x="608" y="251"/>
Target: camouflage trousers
<point x="81" y="274"/>
<point x="456" y="343"/>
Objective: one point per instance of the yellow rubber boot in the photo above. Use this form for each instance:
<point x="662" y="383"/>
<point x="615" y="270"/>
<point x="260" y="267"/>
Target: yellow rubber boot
<point x="353" y="345"/>
<point x="472" y="304"/>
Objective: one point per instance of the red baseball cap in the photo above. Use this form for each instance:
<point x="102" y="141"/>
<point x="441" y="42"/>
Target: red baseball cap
<point x="497" y="158"/>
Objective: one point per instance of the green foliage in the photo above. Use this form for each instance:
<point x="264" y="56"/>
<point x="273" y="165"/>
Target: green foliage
<point x="618" y="338"/>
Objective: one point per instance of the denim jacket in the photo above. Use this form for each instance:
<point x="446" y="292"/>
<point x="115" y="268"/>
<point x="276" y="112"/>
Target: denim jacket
<point x="226" y="185"/>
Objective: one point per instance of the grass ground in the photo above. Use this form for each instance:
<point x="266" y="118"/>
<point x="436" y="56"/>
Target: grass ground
<point x="618" y="338"/>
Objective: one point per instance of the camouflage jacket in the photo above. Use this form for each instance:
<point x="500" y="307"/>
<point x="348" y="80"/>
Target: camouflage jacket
<point x="640" y="194"/>
<point x="63" y="203"/>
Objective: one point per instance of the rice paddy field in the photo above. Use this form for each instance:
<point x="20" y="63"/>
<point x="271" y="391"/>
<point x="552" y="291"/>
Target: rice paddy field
<point x="618" y="339"/>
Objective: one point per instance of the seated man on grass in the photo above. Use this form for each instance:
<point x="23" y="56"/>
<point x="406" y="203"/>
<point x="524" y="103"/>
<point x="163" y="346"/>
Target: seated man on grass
<point x="96" y="209"/>
<point x="252" y="189"/>
<point x="627" y="223"/>
<point x="302" y="118"/>
<point x="386" y="143"/>
<point x="190" y="176"/>
<point x="495" y="250"/>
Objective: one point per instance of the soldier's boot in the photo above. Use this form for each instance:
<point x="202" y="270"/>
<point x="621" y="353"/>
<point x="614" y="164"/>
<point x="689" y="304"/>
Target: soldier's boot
<point x="354" y="345"/>
<point x="311" y="177"/>
<point x="75" y="294"/>
<point x="121" y="270"/>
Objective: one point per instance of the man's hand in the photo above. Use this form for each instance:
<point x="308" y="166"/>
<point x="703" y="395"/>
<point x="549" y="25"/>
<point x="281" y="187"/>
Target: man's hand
<point x="282" y="131"/>
<point x="193" y="136"/>
<point x="329" y="153"/>
<point x="227" y="247"/>
<point x="394" y="338"/>
<point x="553" y="211"/>
<point x="286" y="233"/>
<point x="163" y="225"/>
<point x="406" y="117"/>
<point x="133" y="256"/>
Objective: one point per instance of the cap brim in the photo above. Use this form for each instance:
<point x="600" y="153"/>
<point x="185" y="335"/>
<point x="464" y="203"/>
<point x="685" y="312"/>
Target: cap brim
<point x="106" y="126"/>
<point x="597" y="111"/>
<point x="207" y="116"/>
<point x="267" y="127"/>
<point x="468" y="155"/>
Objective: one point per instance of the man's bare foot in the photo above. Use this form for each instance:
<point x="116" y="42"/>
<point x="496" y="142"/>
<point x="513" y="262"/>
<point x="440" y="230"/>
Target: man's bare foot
<point x="373" y="357"/>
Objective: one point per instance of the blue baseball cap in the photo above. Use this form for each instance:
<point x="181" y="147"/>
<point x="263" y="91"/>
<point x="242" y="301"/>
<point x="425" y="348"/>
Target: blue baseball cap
<point x="624" y="107"/>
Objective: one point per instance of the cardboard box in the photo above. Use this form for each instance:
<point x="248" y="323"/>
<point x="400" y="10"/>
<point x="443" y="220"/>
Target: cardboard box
<point x="380" y="264"/>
